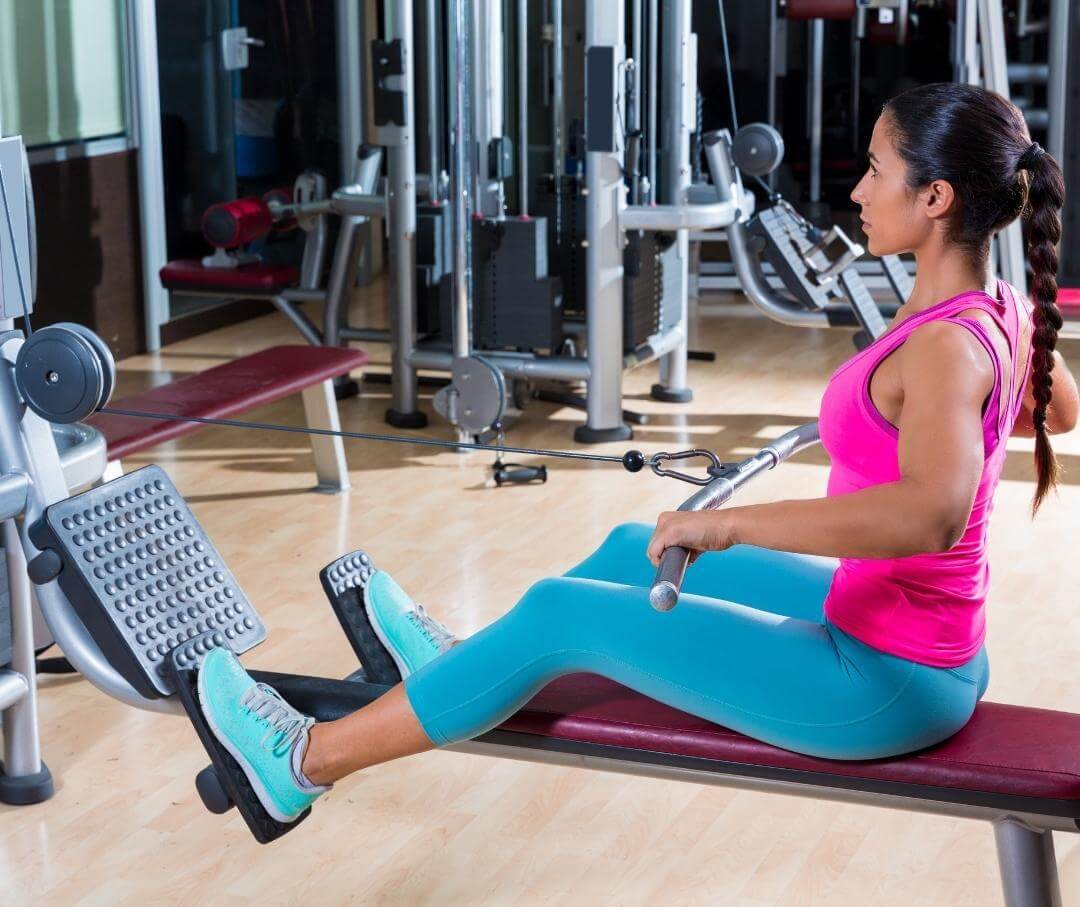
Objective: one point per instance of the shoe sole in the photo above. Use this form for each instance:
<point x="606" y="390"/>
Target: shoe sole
<point x="248" y="769"/>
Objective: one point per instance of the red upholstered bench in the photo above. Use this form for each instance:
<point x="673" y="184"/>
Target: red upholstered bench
<point x="234" y="387"/>
<point x="1069" y="301"/>
<point x="1007" y="758"/>
<point x="191" y="275"/>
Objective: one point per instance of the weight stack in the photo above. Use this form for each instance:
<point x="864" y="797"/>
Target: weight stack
<point x="516" y="304"/>
<point x="567" y="259"/>
<point x="643" y="287"/>
<point x="434" y="245"/>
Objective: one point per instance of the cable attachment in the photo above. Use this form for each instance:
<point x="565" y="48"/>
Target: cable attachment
<point x="504" y="473"/>
<point x="714" y="469"/>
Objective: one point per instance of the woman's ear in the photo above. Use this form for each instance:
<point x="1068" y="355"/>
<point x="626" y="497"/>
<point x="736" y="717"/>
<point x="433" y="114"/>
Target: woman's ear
<point x="937" y="199"/>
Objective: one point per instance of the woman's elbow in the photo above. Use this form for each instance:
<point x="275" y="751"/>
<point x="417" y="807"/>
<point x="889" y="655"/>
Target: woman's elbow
<point x="944" y="532"/>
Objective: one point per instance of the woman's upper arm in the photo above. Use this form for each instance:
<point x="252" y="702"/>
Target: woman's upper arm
<point x="946" y="376"/>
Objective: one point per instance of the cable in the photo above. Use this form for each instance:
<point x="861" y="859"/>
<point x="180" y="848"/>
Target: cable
<point x="15" y="253"/>
<point x="365" y="436"/>
<point x="727" y="67"/>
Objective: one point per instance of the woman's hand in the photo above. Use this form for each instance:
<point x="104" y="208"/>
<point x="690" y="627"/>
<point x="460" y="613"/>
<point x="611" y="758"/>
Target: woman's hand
<point x="698" y="531"/>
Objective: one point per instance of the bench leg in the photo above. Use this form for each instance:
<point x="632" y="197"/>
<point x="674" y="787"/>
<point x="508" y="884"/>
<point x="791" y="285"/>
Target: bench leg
<point x="320" y="410"/>
<point x="1029" y="875"/>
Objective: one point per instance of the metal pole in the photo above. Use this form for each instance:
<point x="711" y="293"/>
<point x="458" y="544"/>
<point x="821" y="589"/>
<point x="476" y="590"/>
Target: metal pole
<point x="817" y="69"/>
<point x="557" y="111"/>
<point x="460" y="171"/>
<point x="1058" y="35"/>
<point x="434" y="105"/>
<point x="146" y="128"/>
<point x="350" y="97"/>
<point x="680" y="104"/>
<point x="523" y="106"/>
<point x="634" y="114"/>
<point x="401" y="225"/>
<point x="604" y="31"/>
<point x="654" y="60"/>
<point x="22" y="750"/>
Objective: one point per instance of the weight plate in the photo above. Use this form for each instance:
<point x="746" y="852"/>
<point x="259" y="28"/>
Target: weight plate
<point x="757" y="149"/>
<point x="59" y="374"/>
<point x="108" y="364"/>
<point x="481" y="391"/>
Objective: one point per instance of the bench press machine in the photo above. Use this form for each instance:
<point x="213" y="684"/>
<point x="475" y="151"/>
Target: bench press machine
<point x="135" y="593"/>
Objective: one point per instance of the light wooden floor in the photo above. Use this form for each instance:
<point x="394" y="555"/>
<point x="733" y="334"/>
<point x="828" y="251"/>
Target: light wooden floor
<point x="126" y="827"/>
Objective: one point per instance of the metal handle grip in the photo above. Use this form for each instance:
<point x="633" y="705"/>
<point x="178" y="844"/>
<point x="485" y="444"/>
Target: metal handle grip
<point x="667" y="583"/>
<point x="669" y="576"/>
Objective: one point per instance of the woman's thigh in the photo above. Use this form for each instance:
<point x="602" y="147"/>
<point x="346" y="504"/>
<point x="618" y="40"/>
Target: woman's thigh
<point x="794" y="585"/>
<point x="802" y="685"/>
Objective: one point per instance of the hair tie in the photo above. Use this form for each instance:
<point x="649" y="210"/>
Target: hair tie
<point x="1029" y="157"/>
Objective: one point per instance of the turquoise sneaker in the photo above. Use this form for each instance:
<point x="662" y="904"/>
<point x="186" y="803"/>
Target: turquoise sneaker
<point x="411" y="635"/>
<point x="261" y="731"/>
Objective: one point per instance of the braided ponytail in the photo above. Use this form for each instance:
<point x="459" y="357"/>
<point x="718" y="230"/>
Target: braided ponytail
<point x="1041" y="220"/>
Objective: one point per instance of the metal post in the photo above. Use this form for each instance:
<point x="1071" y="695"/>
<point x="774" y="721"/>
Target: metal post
<point x="1058" y="36"/>
<point x="460" y="170"/>
<point x="434" y="105"/>
<point x="145" y="110"/>
<point x="523" y="106"/>
<point x="654" y="62"/>
<point x="1028" y="869"/>
<point x="633" y="116"/>
<point x="401" y="226"/>
<point x="557" y="111"/>
<point x="965" y="51"/>
<point x="22" y="749"/>
<point x="817" y="76"/>
<point x="680" y="114"/>
<point x="1010" y="243"/>
<point x="350" y="97"/>
<point x="604" y="29"/>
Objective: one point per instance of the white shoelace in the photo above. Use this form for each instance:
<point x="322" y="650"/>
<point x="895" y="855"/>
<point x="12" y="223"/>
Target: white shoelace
<point x="265" y="703"/>
<point x="431" y="629"/>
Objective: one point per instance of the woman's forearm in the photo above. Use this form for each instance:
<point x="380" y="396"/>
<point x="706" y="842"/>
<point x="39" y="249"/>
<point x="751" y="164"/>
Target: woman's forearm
<point x="878" y="522"/>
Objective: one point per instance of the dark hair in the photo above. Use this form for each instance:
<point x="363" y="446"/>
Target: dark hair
<point x="978" y="142"/>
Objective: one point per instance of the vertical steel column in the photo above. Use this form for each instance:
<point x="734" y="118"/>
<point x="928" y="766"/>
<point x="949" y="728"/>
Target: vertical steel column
<point x="633" y="116"/>
<point x="401" y="226"/>
<point x="24" y="771"/>
<point x="654" y="62"/>
<point x="680" y="109"/>
<point x="1010" y="243"/>
<point x="1058" y="35"/>
<point x="434" y="101"/>
<point x="523" y="106"/>
<point x="350" y="98"/>
<point x="488" y="90"/>
<point x="817" y="78"/>
<point x="604" y="31"/>
<point x="461" y="171"/>
<point x="557" y="111"/>
<point x="145" y="111"/>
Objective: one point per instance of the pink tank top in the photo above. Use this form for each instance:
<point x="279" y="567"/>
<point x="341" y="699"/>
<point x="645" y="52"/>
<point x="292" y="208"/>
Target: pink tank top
<point x="928" y="608"/>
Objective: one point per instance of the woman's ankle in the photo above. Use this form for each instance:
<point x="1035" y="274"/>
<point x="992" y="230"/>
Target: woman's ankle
<point x="314" y="766"/>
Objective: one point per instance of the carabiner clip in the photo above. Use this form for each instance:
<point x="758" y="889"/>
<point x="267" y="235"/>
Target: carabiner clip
<point x="714" y="469"/>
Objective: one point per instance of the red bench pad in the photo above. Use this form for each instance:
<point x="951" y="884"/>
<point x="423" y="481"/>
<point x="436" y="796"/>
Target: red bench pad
<point x="1004" y="749"/>
<point x="262" y="279"/>
<point x="1069" y="300"/>
<point x="222" y="391"/>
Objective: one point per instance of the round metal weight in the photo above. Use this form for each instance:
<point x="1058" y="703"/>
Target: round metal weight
<point x="757" y="149"/>
<point x="475" y="399"/>
<point x="62" y="374"/>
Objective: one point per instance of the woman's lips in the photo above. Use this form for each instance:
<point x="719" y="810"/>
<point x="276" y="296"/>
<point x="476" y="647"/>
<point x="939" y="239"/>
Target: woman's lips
<point x="865" y="224"/>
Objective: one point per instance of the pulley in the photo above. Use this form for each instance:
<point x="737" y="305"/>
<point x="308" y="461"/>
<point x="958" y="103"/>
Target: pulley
<point x="475" y="399"/>
<point x="64" y="372"/>
<point x="757" y="149"/>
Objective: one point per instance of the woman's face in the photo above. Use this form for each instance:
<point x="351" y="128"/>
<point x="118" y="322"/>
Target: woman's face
<point x="893" y="216"/>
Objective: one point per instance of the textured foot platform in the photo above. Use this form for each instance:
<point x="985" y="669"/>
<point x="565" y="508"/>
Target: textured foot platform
<point x="143" y="576"/>
<point x="228" y="781"/>
<point x="344" y="582"/>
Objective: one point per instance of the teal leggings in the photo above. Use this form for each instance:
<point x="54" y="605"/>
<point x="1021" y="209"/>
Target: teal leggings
<point x="747" y="647"/>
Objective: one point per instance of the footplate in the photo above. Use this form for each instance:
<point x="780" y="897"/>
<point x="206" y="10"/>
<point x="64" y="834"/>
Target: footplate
<point x="228" y="780"/>
<point x="343" y="581"/>
<point x="142" y="575"/>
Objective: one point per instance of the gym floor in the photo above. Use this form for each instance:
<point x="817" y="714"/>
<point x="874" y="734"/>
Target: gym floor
<point x="126" y="825"/>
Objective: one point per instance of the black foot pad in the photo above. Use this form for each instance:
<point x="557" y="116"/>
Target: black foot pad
<point x="344" y="581"/>
<point x="230" y="777"/>
<point x="671" y="395"/>
<point x="26" y="790"/>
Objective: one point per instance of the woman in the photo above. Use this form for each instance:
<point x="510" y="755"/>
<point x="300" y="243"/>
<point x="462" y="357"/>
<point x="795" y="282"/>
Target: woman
<point x="875" y="654"/>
